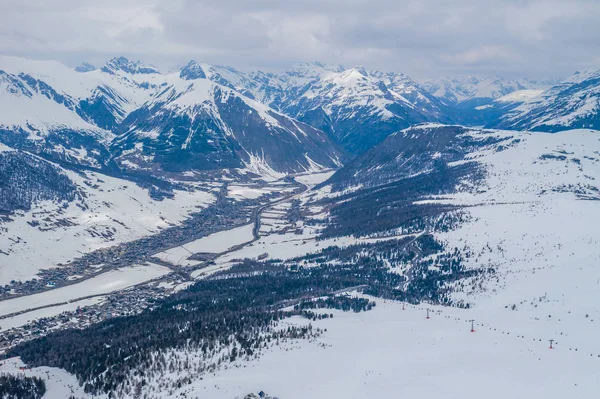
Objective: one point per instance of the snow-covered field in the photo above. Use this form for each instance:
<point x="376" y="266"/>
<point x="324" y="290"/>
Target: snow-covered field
<point x="314" y="178"/>
<point x="115" y="211"/>
<point x="214" y="243"/>
<point x="390" y="350"/>
<point x="546" y="257"/>
<point x="239" y="192"/>
<point x="114" y="280"/>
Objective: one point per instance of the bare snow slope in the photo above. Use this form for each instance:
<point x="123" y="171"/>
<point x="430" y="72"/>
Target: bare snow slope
<point x="388" y="351"/>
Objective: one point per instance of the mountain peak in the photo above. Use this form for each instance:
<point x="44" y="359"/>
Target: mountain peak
<point x="192" y="71"/>
<point x="361" y="70"/>
<point x="349" y="76"/>
<point x="125" y="65"/>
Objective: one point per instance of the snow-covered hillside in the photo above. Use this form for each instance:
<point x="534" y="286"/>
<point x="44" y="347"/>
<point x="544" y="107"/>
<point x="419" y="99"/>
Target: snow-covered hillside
<point x="533" y="219"/>
<point x="57" y="215"/>
<point x="391" y="349"/>
<point x="572" y="103"/>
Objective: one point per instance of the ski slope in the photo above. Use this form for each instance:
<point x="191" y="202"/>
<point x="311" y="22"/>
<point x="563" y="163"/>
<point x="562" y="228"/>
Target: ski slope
<point x="388" y="351"/>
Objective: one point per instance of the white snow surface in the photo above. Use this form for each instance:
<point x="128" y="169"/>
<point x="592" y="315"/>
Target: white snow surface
<point x="240" y="192"/>
<point x="59" y="383"/>
<point x="214" y="243"/>
<point x="519" y="96"/>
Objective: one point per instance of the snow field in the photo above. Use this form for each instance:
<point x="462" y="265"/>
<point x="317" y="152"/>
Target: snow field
<point x="214" y="243"/>
<point x="59" y="383"/>
<point x="387" y="350"/>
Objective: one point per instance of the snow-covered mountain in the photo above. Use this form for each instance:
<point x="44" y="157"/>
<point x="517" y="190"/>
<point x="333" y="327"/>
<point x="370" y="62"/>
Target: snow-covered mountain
<point x="195" y="123"/>
<point x="573" y="103"/>
<point x="66" y="115"/>
<point x="130" y="115"/>
<point x="38" y="118"/>
<point x="433" y="148"/>
<point x="358" y="108"/>
<point x="88" y="116"/>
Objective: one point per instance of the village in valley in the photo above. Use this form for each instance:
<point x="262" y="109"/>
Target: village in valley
<point x="245" y="210"/>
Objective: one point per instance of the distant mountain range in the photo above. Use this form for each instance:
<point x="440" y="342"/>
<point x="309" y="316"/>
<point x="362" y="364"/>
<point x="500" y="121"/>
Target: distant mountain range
<point x="128" y="116"/>
<point x="457" y="91"/>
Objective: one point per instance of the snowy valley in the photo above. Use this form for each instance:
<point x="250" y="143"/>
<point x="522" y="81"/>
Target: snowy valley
<point x="319" y="232"/>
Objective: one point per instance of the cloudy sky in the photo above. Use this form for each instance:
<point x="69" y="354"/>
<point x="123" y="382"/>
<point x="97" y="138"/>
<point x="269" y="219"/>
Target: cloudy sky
<point x="423" y="38"/>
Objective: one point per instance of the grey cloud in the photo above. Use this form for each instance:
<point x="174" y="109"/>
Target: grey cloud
<point x="422" y="38"/>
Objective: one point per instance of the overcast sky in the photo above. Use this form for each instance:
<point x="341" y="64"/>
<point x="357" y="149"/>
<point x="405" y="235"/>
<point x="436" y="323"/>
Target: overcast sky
<point x="423" y="38"/>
